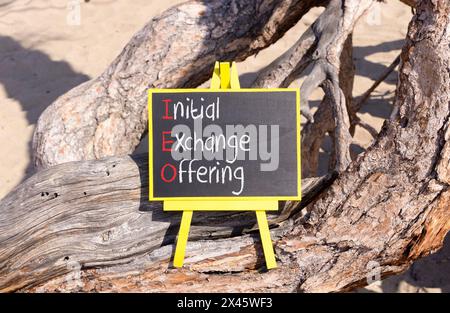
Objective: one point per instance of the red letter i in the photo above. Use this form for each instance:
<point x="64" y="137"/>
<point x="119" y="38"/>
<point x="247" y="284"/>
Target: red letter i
<point x="167" y="116"/>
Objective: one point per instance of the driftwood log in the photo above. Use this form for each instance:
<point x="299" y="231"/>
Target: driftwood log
<point x="97" y="213"/>
<point x="388" y="208"/>
<point x="108" y="115"/>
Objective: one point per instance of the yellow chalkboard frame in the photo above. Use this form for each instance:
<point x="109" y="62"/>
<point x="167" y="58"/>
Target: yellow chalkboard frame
<point x="224" y="78"/>
<point x="223" y="198"/>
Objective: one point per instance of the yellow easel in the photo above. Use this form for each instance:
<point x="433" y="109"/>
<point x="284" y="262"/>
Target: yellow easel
<point x="223" y="78"/>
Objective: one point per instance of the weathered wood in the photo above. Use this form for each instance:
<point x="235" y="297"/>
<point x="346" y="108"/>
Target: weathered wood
<point x="341" y="17"/>
<point x="108" y="115"/>
<point x="283" y="70"/>
<point x="346" y="78"/>
<point x="324" y="45"/>
<point x="98" y="213"/>
<point x="314" y="133"/>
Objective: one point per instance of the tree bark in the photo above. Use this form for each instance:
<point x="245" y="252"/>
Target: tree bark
<point x="108" y="115"/>
<point x="387" y="209"/>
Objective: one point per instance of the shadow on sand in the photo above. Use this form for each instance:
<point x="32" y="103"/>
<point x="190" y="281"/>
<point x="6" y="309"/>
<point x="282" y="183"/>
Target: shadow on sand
<point x="33" y="79"/>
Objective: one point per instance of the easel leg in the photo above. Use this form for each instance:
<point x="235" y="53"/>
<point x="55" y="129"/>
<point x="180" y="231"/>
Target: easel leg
<point x="182" y="238"/>
<point x="265" y="239"/>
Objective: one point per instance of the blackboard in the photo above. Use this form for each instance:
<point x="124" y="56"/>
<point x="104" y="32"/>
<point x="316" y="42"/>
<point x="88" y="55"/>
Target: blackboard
<point x="224" y="144"/>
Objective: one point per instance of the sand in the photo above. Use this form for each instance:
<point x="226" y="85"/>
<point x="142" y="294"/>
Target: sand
<point x="42" y="57"/>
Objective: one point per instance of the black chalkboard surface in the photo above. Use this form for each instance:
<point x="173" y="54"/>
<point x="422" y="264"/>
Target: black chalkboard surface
<point x="224" y="144"/>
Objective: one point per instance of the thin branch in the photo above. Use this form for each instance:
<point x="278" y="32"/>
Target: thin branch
<point x="370" y="129"/>
<point x="359" y="102"/>
<point x="282" y="71"/>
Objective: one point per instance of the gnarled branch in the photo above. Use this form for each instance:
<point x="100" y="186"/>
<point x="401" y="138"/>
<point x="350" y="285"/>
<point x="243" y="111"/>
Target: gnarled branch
<point x="108" y="115"/>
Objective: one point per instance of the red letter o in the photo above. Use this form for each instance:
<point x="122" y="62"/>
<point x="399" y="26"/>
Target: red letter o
<point x="174" y="175"/>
